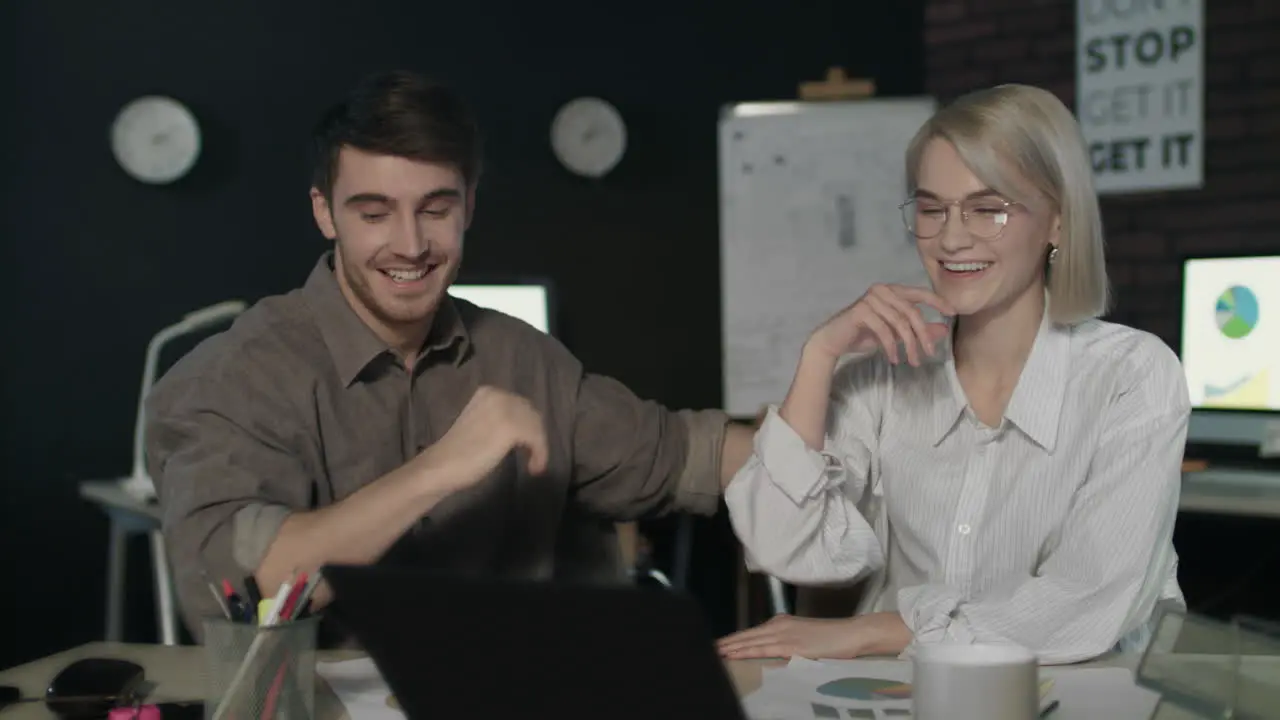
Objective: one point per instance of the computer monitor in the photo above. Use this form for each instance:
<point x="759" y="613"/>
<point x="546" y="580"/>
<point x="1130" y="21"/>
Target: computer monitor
<point x="530" y="301"/>
<point x="1230" y="346"/>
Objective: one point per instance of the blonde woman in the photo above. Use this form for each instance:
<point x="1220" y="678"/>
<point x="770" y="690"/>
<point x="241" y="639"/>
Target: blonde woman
<point x="1008" y="475"/>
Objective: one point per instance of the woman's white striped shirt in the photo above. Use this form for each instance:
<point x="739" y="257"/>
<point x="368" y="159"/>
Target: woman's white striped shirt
<point x="1053" y="531"/>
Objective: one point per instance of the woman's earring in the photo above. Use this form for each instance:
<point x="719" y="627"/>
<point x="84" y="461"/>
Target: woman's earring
<point x="1053" y="254"/>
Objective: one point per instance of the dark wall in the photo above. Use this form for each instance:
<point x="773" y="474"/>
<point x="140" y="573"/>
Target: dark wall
<point x="96" y="263"/>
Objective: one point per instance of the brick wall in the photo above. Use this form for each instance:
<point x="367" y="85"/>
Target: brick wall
<point x="976" y="43"/>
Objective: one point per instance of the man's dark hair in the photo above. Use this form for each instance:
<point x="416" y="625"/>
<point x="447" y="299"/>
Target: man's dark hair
<point x="403" y="114"/>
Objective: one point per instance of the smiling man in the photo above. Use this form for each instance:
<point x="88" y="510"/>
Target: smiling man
<point x="370" y="417"/>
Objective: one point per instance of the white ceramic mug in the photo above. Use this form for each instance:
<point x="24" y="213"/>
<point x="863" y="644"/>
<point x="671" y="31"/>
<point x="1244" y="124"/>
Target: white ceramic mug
<point x="975" y="682"/>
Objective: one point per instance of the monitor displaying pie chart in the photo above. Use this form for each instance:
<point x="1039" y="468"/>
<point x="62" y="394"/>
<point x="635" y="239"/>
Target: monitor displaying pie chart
<point x="1236" y="312"/>
<point x="1230" y="347"/>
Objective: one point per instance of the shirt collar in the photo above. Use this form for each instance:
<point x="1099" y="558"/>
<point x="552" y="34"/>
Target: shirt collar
<point x="1036" y="405"/>
<point x="352" y="344"/>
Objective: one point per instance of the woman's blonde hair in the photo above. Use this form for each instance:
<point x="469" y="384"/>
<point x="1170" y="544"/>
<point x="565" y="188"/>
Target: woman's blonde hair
<point x="1010" y="135"/>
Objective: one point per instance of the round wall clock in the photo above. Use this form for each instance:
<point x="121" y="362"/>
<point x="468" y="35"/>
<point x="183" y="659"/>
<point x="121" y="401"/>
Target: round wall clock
<point x="156" y="139"/>
<point x="588" y="137"/>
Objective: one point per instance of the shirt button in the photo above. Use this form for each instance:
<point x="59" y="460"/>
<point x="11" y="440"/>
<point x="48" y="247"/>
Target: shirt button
<point x="964" y="529"/>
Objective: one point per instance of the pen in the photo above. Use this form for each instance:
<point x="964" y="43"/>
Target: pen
<point x="277" y="604"/>
<point x="292" y="603"/>
<point x="235" y="604"/>
<point x="251" y="587"/>
<point x="1048" y="709"/>
<point x="304" y="599"/>
<point x="285" y="607"/>
<point x="222" y="602"/>
<point x="245" y="612"/>
<point x="217" y="596"/>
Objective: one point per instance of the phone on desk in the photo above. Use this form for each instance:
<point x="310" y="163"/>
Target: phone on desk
<point x="193" y="710"/>
<point x="181" y="710"/>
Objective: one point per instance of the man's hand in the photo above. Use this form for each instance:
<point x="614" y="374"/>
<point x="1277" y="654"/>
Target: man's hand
<point x="358" y="529"/>
<point x="786" y="636"/>
<point x="493" y="423"/>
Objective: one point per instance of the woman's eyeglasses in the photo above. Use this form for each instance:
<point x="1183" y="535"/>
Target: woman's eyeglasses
<point x="982" y="217"/>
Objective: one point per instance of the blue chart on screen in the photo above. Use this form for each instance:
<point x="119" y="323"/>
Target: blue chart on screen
<point x="1236" y="312"/>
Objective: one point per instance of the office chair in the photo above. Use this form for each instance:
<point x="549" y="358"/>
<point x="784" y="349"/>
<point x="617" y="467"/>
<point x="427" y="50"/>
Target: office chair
<point x="128" y="518"/>
<point x="639" y="563"/>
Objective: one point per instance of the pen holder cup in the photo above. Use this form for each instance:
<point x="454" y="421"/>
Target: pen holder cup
<point x="257" y="672"/>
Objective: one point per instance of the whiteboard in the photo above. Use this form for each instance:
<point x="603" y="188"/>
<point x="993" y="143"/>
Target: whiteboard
<point x="809" y="219"/>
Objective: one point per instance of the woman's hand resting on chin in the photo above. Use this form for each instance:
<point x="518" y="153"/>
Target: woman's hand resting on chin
<point x="887" y="316"/>
<point x="786" y="636"/>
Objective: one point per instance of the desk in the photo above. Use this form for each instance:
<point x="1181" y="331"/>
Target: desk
<point x="176" y="672"/>
<point x="128" y="516"/>
<point x="1227" y="491"/>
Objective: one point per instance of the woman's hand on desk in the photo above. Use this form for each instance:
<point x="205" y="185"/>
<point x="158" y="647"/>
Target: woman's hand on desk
<point x="787" y="636"/>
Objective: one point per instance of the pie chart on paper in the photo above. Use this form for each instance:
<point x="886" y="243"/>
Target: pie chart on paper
<point x="1236" y="312"/>
<point x="862" y="688"/>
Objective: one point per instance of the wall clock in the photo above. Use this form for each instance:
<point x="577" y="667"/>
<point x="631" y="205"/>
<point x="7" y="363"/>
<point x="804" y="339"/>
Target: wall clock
<point x="588" y="137"/>
<point x="156" y="139"/>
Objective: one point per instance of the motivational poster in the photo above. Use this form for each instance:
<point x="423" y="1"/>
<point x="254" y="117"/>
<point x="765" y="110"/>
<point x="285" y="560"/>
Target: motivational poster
<point x="1140" y="92"/>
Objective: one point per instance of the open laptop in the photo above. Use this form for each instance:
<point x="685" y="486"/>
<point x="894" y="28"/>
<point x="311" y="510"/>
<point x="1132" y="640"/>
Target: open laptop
<point x="465" y="647"/>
